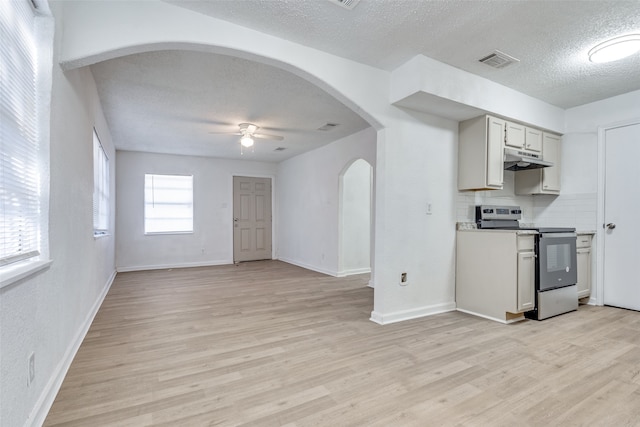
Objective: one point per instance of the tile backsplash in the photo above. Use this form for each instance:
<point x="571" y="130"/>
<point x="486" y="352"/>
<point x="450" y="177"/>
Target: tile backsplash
<point x="565" y="210"/>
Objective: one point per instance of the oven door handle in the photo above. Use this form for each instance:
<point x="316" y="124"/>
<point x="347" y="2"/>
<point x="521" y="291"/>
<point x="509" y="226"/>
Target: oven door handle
<point x="557" y="235"/>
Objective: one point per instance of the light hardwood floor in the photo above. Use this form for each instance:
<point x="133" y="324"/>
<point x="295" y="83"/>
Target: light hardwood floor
<point x="270" y="344"/>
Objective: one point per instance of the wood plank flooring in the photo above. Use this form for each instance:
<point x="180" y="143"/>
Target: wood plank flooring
<point x="270" y="344"/>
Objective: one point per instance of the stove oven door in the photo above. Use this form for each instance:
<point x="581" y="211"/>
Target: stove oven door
<point x="556" y="261"/>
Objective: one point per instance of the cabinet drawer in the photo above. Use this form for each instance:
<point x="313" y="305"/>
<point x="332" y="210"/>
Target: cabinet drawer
<point x="525" y="243"/>
<point x="583" y="241"/>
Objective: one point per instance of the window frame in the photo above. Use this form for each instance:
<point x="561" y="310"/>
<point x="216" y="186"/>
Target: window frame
<point x="101" y="188"/>
<point x="31" y="23"/>
<point x="190" y="205"/>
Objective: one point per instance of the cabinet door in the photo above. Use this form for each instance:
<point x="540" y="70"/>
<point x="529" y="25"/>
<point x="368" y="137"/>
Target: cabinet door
<point x="515" y="135"/>
<point x="551" y="153"/>
<point x="584" y="272"/>
<point x="533" y="139"/>
<point x="526" y="281"/>
<point x="495" y="152"/>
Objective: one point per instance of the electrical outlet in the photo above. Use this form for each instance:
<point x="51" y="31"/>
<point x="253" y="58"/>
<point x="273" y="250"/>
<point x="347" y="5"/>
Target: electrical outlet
<point x="403" y="279"/>
<point x="31" y="368"/>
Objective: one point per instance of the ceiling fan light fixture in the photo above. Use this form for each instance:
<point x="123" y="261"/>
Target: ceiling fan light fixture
<point x="246" y="141"/>
<point x="615" y="48"/>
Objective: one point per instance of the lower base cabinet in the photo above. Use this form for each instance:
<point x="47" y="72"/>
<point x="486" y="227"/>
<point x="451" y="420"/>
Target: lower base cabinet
<point x="495" y="273"/>
<point x="583" y="249"/>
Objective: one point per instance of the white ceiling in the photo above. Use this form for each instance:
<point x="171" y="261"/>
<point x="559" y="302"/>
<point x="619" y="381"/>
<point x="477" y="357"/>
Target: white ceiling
<point x="169" y="101"/>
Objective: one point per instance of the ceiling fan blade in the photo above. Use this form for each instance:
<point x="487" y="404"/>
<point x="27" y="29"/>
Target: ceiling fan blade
<point x="225" y="133"/>
<point x="267" y="136"/>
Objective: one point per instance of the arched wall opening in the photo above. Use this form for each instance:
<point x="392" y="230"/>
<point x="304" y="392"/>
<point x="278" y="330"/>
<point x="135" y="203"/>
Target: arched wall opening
<point x="93" y="33"/>
<point x="354" y="252"/>
<point x="355" y="222"/>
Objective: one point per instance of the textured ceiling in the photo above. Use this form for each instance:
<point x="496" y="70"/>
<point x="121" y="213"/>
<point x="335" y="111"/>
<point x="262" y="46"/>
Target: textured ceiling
<point x="551" y="38"/>
<point x="169" y="101"/>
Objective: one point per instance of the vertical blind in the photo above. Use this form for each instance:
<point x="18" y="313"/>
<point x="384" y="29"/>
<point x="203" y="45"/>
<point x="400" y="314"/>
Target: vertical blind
<point x="19" y="176"/>
<point x="100" y="188"/>
<point x="168" y="203"/>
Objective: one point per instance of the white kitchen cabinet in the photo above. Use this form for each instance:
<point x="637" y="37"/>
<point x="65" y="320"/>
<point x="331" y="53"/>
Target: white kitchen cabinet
<point x="515" y="135"/>
<point x="583" y="248"/>
<point x="481" y="153"/>
<point x="533" y="139"/>
<point x="495" y="273"/>
<point x="523" y="137"/>
<point x="526" y="281"/>
<point x="544" y="180"/>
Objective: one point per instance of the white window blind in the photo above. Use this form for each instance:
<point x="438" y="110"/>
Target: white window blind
<point x="168" y="203"/>
<point x="19" y="169"/>
<point x="100" y="188"/>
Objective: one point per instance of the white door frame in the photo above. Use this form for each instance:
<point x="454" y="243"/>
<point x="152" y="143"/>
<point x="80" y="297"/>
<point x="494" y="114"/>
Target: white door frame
<point x="602" y="132"/>
<point x="274" y="239"/>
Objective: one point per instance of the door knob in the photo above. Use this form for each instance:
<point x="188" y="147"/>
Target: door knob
<point x="235" y="219"/>
<point x="611" y="226"/>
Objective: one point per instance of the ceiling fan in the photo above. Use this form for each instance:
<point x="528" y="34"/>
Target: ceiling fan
<point x="248" y="132"/>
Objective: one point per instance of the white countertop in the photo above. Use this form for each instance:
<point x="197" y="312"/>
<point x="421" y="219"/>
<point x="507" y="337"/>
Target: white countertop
<point x="492" y="230"/>
<point x="471" y="226"/>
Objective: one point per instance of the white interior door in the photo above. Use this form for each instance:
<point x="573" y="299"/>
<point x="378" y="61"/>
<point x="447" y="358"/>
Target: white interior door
<point x="251" y="218"/>
<point x="621" y="207"/>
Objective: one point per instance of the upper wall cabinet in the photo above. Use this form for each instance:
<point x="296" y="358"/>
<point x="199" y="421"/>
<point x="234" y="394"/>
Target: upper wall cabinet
<point x="481" y="153"/>
<point x="523" y="137"/>
<point x="481" y="144"/>
<point x="533" y="139"/>
<point x="515" y="135"/>
<point x="545" y="180"/>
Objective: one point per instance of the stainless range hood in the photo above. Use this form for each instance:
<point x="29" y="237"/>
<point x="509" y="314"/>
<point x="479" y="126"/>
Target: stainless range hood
<point x="516" y="160"/>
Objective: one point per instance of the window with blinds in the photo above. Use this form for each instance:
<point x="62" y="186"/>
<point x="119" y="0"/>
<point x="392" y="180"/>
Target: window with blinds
<point x="168" y="203"/>
<point x="19" y="140"/>
<point x="100" y="188"/>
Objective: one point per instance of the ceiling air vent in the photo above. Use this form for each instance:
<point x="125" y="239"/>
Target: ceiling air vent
<point x="280" y="149"/>
<point x="328" y="126"/>
<point x="347" y="4"/>
<point x="498" y="60"/>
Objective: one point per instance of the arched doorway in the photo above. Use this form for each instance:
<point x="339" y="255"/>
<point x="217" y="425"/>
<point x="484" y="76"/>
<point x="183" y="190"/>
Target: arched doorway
<point x="355" y="218"/>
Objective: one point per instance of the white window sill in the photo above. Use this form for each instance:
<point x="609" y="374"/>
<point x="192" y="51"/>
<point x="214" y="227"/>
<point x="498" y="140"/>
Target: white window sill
<point x="13" y="273"/>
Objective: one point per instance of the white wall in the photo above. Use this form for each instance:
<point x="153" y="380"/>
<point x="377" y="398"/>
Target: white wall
<point x="308" y="201"/>
<point x="583" y="124"/>
<point x="211" y="243"/>
<point x="49" y="313"/>
<point x="416" y="158"/>
<point x="578" y="202"/>
<point x="354" y="226"/>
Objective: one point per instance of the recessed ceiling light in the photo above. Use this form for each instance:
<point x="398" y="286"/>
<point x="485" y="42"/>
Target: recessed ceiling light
<point x="616" y="48"/>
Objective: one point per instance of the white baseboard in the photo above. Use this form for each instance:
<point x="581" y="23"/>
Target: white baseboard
<point x="43" y="405"/>
<point x="351" y="272"/>
<point x="399" y="316"/>
<point x="124" y="269"/>
<point x="371" y="285"/>
<point x="310" y="267"/>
